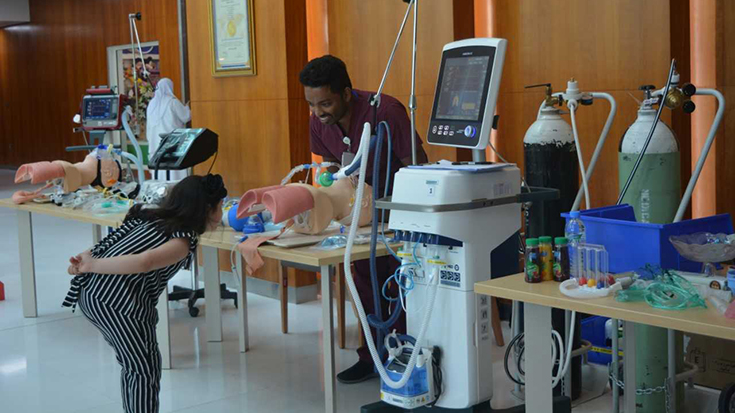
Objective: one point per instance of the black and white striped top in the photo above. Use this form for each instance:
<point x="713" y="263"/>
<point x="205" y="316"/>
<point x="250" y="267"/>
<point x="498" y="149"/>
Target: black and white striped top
<point x="134" y="295"/>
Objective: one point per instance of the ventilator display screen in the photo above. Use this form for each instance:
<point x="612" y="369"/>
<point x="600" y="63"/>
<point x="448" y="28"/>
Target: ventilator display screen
<point x="100" y="108"/>
<point x="463" y="88"/>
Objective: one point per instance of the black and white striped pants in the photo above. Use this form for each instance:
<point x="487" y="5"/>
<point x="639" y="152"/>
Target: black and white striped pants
<point x="136" y="349"/>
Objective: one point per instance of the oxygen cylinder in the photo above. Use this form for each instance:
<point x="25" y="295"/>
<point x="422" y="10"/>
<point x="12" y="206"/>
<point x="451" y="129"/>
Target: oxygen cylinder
<point x="655" y="190"/>
<point x="551" y="162"/>
<point x="654" y="194"/>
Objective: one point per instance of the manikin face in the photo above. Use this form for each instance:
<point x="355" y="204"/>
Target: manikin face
<point x="328" y="106"/>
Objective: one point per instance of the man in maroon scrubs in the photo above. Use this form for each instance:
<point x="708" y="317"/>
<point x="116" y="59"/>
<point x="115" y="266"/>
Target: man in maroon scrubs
<point x="338" y="114"/>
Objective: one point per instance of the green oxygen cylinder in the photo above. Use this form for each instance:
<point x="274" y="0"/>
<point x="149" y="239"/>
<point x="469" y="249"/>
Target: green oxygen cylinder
<point x="655" y="191"/>
<point x="654" y="194"/>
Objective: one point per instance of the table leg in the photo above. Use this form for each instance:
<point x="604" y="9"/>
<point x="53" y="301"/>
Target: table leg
<point x="615" y="368"/>
<point x="27" y="264"/>
<point x="163" y="330"/>
<point x="327" y="334"/>
<point x="96" y="233"/>
<point x="538" y="358"/>
<point x="283" y="293"/>
<point x="212" y="294"/>
<point x="242" y="306"/>
<point x="340" y="278"/>
<point x="629" y="367"/>
<point x="497" y="327"/>
<point x="567" y="389"/>
<point x="516" y="329"/>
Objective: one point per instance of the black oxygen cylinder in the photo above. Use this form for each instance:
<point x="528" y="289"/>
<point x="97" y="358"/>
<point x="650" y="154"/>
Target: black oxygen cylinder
<point x="551" y="162"/>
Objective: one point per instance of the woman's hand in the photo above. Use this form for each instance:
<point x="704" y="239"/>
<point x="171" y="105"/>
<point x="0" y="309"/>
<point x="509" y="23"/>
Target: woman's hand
<point x="85" y="262"/>
<point x="74" y="266"/>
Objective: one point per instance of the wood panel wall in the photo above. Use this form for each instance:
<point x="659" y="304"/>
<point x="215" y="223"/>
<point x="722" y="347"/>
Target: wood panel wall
<point x="262" y="120"/>
<point x="46" y="65"/>
<point x="555" y="41"/>
<point x="725" y="146"/>
<point x="362" y="33"/>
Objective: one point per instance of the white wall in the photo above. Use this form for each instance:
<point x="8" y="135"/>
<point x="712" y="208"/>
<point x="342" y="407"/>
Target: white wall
<point x="14" y="12"/>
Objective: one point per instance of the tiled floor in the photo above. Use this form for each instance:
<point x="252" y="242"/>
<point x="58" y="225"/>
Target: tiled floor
<point x="59" y="362"/>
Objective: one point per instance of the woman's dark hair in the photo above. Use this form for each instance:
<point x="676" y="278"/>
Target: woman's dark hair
<point x="326" y="71"/>
<point x="187" y="207"/>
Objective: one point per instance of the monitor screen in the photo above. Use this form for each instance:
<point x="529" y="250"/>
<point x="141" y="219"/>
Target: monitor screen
<point x="459" y="97"/>
<point x="99" y="108"/>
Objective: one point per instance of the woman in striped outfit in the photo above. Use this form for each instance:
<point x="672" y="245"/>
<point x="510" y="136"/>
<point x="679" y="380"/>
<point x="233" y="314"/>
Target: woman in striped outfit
<point x="117" y="282"/>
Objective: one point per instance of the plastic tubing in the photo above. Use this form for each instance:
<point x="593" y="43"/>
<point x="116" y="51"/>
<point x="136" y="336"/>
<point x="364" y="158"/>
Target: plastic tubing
<point x="136" y="162"/>
<point x="572" y="104"/>
<point x="705" y="151"/>
<point x="306" y="166"/>
<point x="353" y="289"/>
<point x="138" y="151"/>
<point x="376" y="320"/>
<point x="600" y="143"/>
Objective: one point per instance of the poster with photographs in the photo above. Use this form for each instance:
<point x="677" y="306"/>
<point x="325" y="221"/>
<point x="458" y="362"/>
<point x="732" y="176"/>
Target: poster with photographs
<point x="136" y="77"/>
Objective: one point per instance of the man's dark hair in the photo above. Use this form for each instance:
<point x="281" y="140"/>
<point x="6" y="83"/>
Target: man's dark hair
<point x="326" y="71"/>
<point x="138" y="60"/>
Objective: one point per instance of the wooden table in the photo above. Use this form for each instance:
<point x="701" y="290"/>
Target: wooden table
<point x="540" y="298"/>
<point x="306" y="258"/>
<point x="25" y="241"/>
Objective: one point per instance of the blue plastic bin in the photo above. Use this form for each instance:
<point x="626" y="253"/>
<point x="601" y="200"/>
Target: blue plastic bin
<point x="632" y="245"/>
<point x="593" y="330"/>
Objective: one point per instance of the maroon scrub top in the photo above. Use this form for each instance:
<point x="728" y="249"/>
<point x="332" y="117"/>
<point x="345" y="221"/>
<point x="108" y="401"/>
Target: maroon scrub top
<point x="327" y="140"/>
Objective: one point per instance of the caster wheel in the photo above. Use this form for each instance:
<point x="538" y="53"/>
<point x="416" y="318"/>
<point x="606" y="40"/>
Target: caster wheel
<point x="193" y="311"/>
<point x="727" y="399"/>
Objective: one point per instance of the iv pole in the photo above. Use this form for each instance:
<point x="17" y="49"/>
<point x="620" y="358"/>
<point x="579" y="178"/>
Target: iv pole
<point x="412" y="99"/>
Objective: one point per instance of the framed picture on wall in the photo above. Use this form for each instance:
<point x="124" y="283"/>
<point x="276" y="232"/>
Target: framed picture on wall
<point x="233" y="43"/>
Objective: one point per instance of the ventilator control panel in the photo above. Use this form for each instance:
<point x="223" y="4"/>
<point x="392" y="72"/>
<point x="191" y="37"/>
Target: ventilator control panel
<point x="466" y="92"/>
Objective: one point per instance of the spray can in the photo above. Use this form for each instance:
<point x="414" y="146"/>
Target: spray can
<point x="655" y="190"/>
<point x="551" y="162"/>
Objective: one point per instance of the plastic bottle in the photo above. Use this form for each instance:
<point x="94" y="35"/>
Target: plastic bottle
<point x="561" y="259"/>
<point x="533" y="261"/>
<point x="547" y="261"/>
<point x="731" y="280"/>
<point x="575" y="234"/>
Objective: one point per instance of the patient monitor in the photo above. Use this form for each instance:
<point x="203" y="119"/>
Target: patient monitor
<point x="101" y="110"/>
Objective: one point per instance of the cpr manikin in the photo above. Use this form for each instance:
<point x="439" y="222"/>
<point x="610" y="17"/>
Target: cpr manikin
<point x="98" y="169"/>
<point x="304" y="208"/>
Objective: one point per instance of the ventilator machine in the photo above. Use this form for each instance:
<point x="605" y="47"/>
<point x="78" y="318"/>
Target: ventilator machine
<point x="448" y="217"/>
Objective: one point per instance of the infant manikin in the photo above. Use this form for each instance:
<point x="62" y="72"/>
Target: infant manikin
<point x="97" y="169"/>
<point x="305" y="209"/>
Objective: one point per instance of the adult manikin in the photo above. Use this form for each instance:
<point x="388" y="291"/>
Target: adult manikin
<point x="164" y="114"/>
<point x="96" y="170"/>
<point x="305" y="209"/>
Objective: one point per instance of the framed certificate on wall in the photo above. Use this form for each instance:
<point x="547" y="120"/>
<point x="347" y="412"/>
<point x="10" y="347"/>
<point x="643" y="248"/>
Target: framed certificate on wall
<point x="233" y="43"/>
